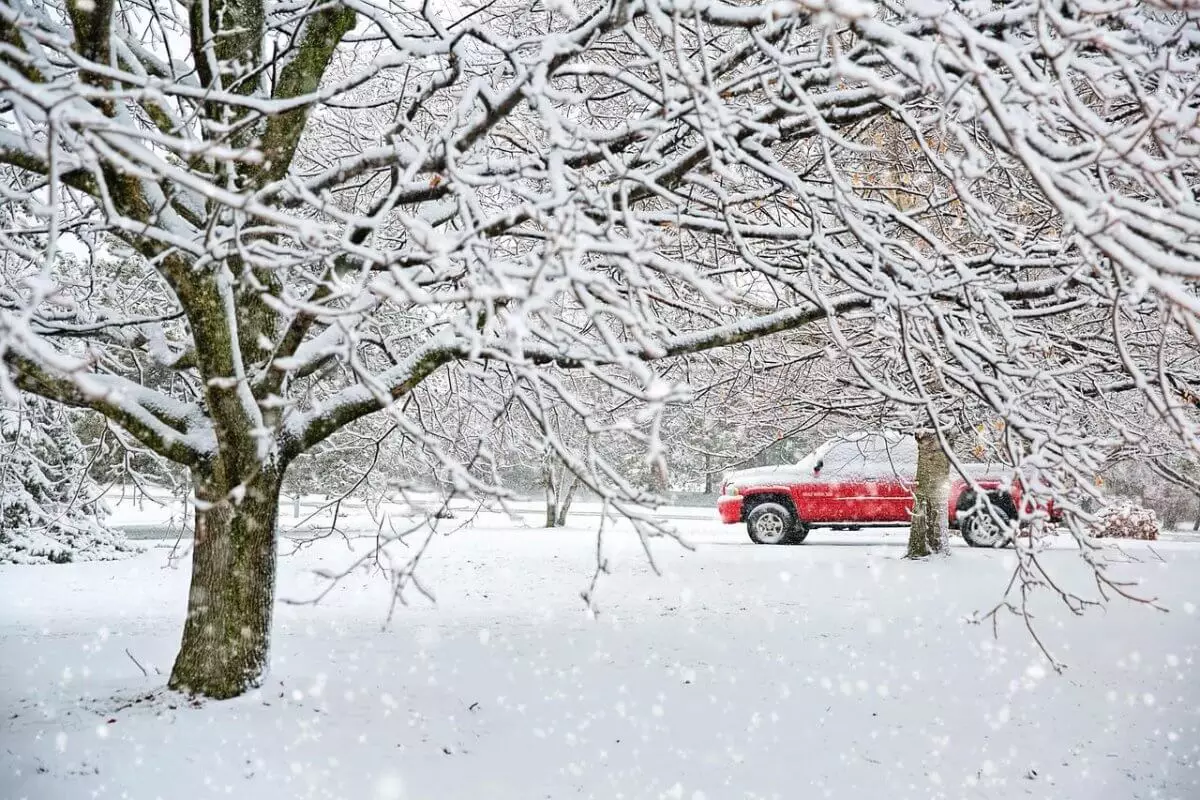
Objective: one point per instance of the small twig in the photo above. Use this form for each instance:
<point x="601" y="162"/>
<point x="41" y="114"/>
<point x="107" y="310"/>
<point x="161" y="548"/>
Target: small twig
<point x="145" y="674"/>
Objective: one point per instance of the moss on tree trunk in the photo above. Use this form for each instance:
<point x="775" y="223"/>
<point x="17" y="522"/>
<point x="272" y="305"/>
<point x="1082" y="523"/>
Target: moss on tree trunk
<point x="227" y="632"/>
<point x="929" y="532"/>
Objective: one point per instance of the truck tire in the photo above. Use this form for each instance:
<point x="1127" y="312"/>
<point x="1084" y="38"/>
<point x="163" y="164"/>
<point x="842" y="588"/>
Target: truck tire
<point x="771" y="523"/>
<point x="980" y="526"/>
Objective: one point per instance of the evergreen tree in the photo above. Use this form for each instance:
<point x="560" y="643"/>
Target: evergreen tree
<point x="50" y="511"/>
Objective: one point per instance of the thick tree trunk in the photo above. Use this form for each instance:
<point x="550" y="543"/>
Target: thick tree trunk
<point x="227" y="632"/>
<point x="930" y="528"/>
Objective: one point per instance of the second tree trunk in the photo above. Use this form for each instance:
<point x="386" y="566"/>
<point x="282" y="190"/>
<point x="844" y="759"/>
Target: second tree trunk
<point x="930" y="529"/>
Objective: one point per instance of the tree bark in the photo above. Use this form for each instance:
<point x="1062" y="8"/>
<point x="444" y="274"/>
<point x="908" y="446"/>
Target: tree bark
<point x="551" y="494"/>
<point x="929" y="532"/>
<point x="227" y="632"/>
<point x="560" y="490"/>
<point x="564" y="500"/>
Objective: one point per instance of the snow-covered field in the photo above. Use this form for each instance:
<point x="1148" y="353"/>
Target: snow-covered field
<point x="834" y="669"/>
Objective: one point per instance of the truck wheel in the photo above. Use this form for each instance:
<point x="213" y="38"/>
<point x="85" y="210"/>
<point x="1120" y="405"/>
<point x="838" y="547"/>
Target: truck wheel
<point x="982" y="527"/>
<point x="771" y="523"/>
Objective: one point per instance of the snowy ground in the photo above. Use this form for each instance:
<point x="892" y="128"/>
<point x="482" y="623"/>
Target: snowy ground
<point x="834" y="669"/>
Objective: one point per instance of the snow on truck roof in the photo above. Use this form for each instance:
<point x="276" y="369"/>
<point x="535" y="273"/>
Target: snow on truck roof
<point x="860" y="453"/>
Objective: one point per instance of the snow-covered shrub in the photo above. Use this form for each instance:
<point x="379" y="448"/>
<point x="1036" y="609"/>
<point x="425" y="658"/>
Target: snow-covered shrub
<point x="49" y="511"/>
<point x="1137" y="479"/>
<point x="1126" y="521"/>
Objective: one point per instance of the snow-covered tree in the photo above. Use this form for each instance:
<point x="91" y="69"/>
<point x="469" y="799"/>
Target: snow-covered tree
<point x="346" y="208"/>
<point x="50" y="508"/>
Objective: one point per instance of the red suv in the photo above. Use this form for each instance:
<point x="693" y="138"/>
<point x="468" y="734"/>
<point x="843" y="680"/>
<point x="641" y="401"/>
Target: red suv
<point x="858" y="480"/>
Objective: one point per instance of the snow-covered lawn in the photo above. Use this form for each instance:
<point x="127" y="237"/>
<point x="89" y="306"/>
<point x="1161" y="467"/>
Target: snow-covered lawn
<point x="834" y="669"/>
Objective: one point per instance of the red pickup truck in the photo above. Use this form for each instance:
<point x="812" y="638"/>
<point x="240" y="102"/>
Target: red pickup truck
<point x="862" y="479"/>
